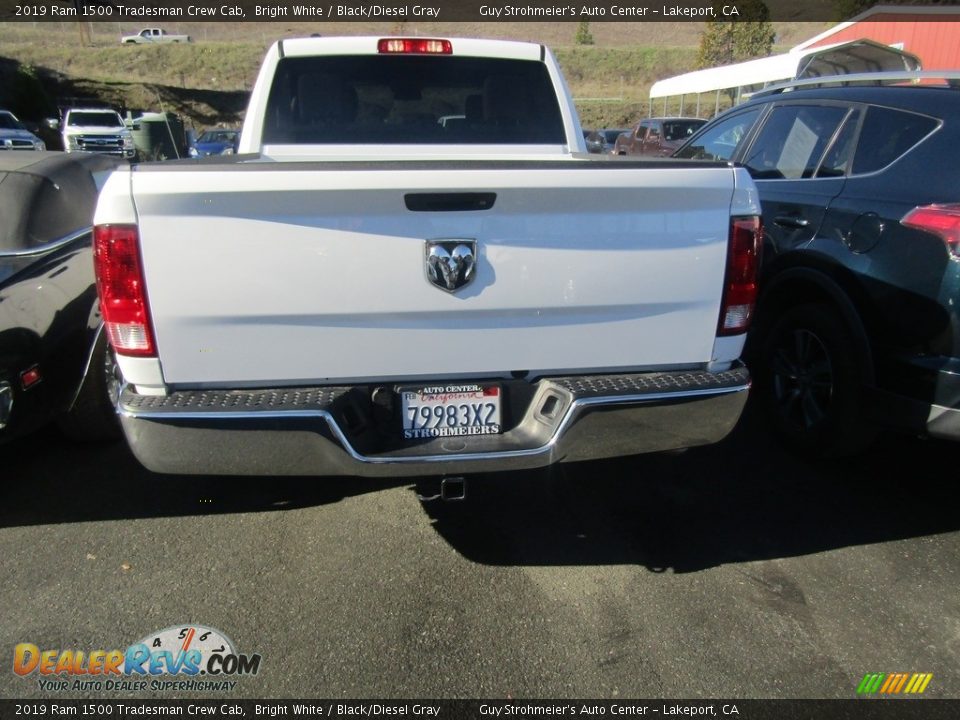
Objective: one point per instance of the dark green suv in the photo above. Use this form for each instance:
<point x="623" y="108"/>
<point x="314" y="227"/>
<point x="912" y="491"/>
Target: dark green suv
<point x="858" y="321"/>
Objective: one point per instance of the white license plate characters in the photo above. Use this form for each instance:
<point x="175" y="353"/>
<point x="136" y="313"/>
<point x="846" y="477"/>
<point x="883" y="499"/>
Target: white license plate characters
<point x="450" y="410"/>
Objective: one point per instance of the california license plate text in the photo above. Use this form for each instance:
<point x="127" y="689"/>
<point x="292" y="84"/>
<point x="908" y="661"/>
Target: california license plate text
<point x="451" y="410"/>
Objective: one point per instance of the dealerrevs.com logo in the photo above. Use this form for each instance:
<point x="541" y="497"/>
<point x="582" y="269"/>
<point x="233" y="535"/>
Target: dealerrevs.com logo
<point x="181" y="658"/>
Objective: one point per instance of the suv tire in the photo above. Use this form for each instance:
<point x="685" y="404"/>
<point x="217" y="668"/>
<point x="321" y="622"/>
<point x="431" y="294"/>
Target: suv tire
<point x="810" y="381"/>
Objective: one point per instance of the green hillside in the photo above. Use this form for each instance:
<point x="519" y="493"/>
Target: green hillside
<point x="206" y="81"/>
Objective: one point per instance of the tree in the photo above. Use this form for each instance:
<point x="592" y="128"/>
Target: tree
<point x="84" y="25"/>
<point x="749" y="35"/>
<point x="584" y="36"/>
<point x="846" y="9"/>
<point x="28" y="97"/>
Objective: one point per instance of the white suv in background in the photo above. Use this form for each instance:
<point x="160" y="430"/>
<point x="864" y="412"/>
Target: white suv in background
<point x="99" y="130"/>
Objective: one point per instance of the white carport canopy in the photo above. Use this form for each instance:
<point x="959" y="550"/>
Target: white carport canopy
<point x="856" y="56"/>
<point x="752" y="72"/>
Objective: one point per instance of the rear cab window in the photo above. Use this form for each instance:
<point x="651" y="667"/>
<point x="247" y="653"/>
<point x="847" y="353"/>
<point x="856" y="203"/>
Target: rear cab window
<point x="680" y="129"/>
<point x="385" y="99"/>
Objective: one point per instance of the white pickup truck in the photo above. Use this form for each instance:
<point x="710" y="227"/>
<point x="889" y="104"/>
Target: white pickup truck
<point x="99" y="130"/>
<point x="153" y="36"/>
<point x="364" y="290"/>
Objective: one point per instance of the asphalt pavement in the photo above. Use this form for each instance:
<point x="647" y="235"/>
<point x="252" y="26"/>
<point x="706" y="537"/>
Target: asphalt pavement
<point x="735" y="571"/>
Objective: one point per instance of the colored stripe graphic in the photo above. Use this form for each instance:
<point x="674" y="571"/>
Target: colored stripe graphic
<point x="894" y="683"/>
<point x="870" y="683"/>
<point x="889" y="683"/>
<point x="918" y="683"/>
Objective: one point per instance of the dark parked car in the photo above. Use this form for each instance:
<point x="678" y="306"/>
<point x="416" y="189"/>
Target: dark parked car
<point x="858" y="321"/>
<point x="600" y="141"/>
<point x="54" y="364"/>
<point x="656" y="137"/>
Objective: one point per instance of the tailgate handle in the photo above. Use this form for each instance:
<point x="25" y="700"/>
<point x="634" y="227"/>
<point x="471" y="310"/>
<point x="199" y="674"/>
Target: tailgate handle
<point x="449" y="202"/>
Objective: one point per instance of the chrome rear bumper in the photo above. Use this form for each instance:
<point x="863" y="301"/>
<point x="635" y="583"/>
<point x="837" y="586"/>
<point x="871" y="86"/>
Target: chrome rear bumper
<point x="336" y="431"/>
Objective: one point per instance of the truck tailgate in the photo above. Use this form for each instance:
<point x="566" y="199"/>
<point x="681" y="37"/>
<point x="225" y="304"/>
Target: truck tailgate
<point x="283" y="273"/>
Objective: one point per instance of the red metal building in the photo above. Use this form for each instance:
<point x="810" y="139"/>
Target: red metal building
<point x="932" y="33"/>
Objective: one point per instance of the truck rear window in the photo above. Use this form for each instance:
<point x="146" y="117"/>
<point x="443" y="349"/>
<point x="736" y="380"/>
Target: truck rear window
<point x="411" y="99"/>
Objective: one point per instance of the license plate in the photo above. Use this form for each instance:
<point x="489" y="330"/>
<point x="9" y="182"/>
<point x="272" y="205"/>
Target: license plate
<point x="450" y="410"/>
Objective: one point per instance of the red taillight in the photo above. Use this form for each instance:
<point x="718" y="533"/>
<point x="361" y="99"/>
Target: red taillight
<point x="941" y="220"/>
<point x="740" y="283"/>
<point x="414" y="46"/>
<point x="123" y="299"/>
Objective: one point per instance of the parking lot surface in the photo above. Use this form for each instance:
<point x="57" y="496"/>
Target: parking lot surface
<point x="738" y="570"/>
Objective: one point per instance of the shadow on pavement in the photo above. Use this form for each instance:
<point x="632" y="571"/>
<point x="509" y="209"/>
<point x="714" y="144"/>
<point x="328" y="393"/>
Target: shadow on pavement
<point x="105" y="482"/>
<point x="745" y="499"/>
<point x="742" y="500"/>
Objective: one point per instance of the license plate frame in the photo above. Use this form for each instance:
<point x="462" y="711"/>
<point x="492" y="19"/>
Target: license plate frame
<point x="450" y="410"/>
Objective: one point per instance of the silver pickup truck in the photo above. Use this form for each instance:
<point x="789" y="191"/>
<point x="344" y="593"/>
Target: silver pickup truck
<point x="364" y="290"/>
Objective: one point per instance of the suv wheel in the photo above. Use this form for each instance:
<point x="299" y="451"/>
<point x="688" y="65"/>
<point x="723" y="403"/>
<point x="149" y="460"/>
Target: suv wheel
<point x="810" y="382"/>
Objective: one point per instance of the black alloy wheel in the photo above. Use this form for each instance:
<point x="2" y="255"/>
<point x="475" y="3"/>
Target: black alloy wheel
<point x="802" y="378"/>
<point x="810" y="380"/>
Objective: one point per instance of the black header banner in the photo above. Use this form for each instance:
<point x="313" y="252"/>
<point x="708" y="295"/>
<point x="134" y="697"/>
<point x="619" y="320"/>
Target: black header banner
<point x="914" y="709"/>
<point x="156" y="12"/>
